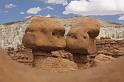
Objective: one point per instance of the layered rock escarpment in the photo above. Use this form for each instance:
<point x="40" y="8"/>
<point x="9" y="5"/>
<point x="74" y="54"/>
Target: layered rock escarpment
<point x="11" y="34"/>
<point x="109" y="47"/>
<point x="112" y="32"/>
<point x="58" y="44"/>
<point x="51" y="49"/>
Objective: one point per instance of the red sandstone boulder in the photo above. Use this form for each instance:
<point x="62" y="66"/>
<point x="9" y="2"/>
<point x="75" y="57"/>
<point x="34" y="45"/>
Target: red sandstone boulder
<point x="45" y="34"/>
<point x="81" y="37"/>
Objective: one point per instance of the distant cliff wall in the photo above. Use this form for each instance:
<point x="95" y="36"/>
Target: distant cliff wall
<point x="113" y="33"/>
<point x="11" y="34"/>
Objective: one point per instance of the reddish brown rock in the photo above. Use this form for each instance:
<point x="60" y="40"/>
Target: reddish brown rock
<point x="45" y="34"/>
<point x="81" y="37"/>
<point x="54" y="64"/>
<point x="90" y="25"/>
<point x="21" y="55"/>
<point x="101" y="59"/>
<point x="62" y="54"/>
<point x="109" y="47"/>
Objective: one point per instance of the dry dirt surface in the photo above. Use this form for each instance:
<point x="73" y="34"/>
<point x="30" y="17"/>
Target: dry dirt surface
<point x="11" y="71"/>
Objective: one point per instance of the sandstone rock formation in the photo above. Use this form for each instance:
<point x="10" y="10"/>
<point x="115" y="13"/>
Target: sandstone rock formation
<point x="46" y="38"/>
<point x="101" y="59"/>
<point x="81" y="37"/>
<point x="53" y="64"/>
<point x="11" y="34"/>
<point x="53" y="51"/>
<point x="48" y="34"/>
<point x="21" y="55"/>
<point x="44" y="33"/>
<point x="109" y="47"/>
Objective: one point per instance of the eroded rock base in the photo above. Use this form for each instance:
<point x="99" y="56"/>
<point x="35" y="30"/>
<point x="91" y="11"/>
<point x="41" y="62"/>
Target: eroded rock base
<point x="61" y="60"/>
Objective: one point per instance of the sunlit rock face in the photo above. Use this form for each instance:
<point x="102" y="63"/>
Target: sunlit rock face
<point x="45" y="33"/>
<point x="11" y="34"/>
<point x="81" y="37"/>
<point x="48" y="34"/>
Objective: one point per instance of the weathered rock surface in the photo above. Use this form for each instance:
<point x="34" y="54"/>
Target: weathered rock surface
<point x="101" y="59"/>
<point x="111" y="32"/>
<point x="48" y="54"/>
<point x="46" y="38"/>
<point x="90" y="25"/>
<point x="48" y="34"/>
<point x="81" y="37"/>
<point x="54" y="64"/>
<point x="57" y="61"/>
<point x="11" y="35"/>
<point x="21" y="55"/>
<point x="114" y="48"/>
<point x="45" y="34"/>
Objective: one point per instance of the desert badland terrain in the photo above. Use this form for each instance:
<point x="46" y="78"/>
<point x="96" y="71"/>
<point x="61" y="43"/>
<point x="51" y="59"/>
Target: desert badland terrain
<point x="78" y="49"/>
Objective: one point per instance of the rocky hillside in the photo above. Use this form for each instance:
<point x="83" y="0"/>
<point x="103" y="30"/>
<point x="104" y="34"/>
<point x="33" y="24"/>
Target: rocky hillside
<point x="11" y="34"/>
<point x="111" y="30"/>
